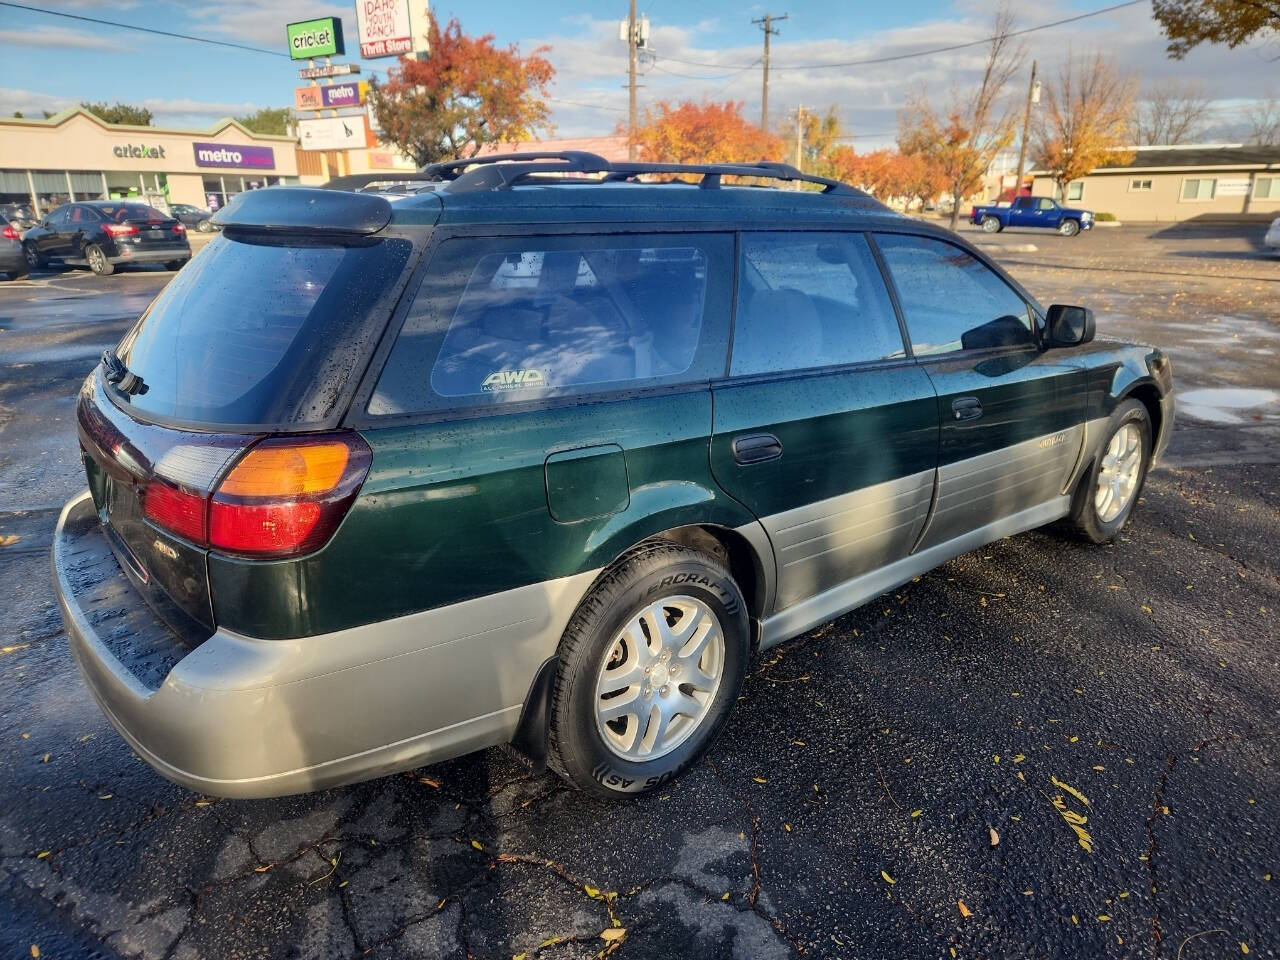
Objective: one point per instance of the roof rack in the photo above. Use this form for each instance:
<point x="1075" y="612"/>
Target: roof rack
<point x="501" y="171"/>
<point x="358" y="181"/>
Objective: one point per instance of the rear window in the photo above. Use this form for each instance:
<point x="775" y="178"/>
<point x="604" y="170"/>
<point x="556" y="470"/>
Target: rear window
<point x="517" y="320"/>
<point x="121" y="213"/>
<point x="260" y="331"/>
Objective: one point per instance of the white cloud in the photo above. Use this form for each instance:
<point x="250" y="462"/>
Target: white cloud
<point x="59" y="38"/>
<point x="262" y="24"/>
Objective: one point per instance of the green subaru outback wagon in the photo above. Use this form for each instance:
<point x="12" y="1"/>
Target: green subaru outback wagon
<point x="543" y="450"/>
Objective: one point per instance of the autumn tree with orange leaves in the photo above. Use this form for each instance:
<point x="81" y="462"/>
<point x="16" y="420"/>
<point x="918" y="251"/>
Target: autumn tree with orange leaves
<point x="889" y="174"/>
<point x="469" y="92"/>
<point x="691" y="132"/>
<point x="1087" y="117"/>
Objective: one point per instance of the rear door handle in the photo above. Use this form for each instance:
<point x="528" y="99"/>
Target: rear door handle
<point x="966" y="408"/>
<point x="756" y="448"/>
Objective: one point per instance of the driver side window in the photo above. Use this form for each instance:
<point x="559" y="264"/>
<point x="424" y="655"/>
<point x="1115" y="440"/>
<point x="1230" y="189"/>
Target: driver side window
<point x="952" y="300"/>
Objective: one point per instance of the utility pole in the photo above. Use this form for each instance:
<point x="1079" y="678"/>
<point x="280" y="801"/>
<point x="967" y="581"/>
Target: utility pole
<point x="799" y="136"/>
<point x="1033" y="95"/>
<point x="631" y="82"/>
<point x="766" y="23"/>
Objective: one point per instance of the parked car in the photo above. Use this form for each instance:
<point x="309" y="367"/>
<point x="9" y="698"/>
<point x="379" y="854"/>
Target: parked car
<point x="105" y="234"/>
<point x="192" y="217"/>
<point x="1272" y="236"/>
<point x="1032" y="212"/>
<point x="12" y="263"/>
<point x="380" y="481"/>
<point x="19" y="214"/>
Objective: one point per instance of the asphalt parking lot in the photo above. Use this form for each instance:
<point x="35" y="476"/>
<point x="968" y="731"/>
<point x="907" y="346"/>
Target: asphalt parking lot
<point x="1109" y="714"/>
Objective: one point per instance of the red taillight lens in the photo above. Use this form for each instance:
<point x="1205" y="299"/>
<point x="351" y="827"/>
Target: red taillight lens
<point x="179" y="228"/>
<point x="9" y="233"/>
<point x="175" y="509"/>
<point x="121" y="229"/>
<point x="286" y="496"/>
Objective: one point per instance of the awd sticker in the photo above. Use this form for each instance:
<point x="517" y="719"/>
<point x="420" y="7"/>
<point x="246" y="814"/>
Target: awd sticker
<point x="513" y="380"/>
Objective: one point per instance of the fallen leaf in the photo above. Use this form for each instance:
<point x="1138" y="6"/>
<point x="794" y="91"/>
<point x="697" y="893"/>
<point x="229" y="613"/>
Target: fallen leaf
<point x="42" y="854"/>
<point x="477" y="844"/>
<point x="786" y="827"/>
<point x="725" y="895"/>
<point x="995" y="757"/>
<point x="887" y="879"/>
<point x="45" y="758"/>
<point x="35" y="950"/>
<point x="916" y="813"/>
<point x="964" y="910"/>
<point x="428" y="782"/>
<point x="8" y="540"/>
<point x="995" y="837"/>
<point x="519" y="956"/>
<point x="1075" y="919"/>
<point x="613" y="933"/>
<point x="105" y="796"/>
<point x="590" y="891"/>
<point x="1099" y="768"/>
<point x="759" y="779"/>
<point x="1019" y="758"/>
<point x="1244" y="947"/>
<point x="1103" y="917"/>
<point x="549" y="942"/>
<point x="263" y="869"/>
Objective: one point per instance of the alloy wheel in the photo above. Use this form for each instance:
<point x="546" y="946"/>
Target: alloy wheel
<point x="1119" y="472"/>
<point x="659" y="678"/>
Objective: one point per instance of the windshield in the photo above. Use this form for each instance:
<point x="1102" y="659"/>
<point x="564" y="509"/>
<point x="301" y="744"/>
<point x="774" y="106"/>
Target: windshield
<point x="259" y="331"/>
<point x="130" y="211"/>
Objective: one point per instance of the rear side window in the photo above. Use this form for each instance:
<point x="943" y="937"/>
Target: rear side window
<point x="951" y="299"/>
<point x="532" y="318"/>
<point x="811" y="300"/>
<point x="256" y="331"/>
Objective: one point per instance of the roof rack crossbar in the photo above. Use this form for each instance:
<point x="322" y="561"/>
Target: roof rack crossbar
<point x="502" y="171"/>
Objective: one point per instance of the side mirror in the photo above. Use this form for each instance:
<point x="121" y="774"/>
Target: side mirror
<point x="1069" y="326"/>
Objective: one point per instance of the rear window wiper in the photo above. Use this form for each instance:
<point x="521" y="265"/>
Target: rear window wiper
<point x="115" y="371"/>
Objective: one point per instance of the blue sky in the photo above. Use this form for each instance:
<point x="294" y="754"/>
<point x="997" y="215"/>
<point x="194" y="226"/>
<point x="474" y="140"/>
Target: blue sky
<point x="50" y="62"/>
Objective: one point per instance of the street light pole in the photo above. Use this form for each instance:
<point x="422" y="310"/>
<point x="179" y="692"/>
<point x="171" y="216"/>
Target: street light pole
<point x="1026" y="129"/>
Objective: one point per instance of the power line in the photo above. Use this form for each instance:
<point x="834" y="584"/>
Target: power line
<point x="918" y="53"/>
<point x="132" y="26"/>
<point x="593" y="106"/>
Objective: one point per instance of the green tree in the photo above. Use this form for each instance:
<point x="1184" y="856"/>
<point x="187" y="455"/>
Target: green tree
<point x="272" y="121"/>
<point x="469" y="92"/>
<point x="120" y="113"/>
<point x="1189" y="23"/>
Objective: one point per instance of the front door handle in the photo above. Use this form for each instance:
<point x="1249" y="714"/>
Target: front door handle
<point x="966" y="408"/>
<point x="756" y="448"/>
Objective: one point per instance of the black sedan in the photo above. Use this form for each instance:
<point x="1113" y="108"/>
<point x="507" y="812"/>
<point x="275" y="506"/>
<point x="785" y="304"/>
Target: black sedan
<point x="105" y="234"/>
<point x="192" y="217"/>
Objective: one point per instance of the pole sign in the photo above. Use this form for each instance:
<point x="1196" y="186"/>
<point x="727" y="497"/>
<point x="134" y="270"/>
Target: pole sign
<point x="333" y="133"/>
<point x="328" y="70"/>
<point x="384" y="28"/>
<point x="243" y="156"/>
<point x="315" y="38"/>
<point x="330" y="97"/>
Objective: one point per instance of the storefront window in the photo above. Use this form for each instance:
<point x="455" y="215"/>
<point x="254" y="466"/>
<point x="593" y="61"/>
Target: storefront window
<point x="14" y="187"/>
<point x="87" y="186"/>
<point x="51" y="189"/>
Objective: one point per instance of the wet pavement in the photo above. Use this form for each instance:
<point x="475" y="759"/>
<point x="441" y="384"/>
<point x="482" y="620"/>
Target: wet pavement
<point x="1111" y="713"/>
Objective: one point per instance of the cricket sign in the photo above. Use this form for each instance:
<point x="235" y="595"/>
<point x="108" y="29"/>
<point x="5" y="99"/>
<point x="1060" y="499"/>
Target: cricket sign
<point x="315" y="38"/>
<point x="384" y="28"/>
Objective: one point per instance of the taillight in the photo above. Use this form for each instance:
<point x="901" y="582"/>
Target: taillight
<point x="287" y="495"/>
<point x="9" y="233"/>
<point x="175" y="509"/>
<point x="179" y="228"/>
<point x="284" y="497"/>
<point x="121" y="229"/>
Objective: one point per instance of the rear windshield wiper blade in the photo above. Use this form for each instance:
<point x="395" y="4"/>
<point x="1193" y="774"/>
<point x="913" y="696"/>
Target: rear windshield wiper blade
<point x="115" y="371"/>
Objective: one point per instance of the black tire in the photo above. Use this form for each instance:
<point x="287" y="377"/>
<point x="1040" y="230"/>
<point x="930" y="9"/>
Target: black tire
<point x="1069" y="228"/>
<point x="577" y="750"/>
<point x="20" y="274"/>
<point x="175" y="265"/>
<point x="35" y="259"/>
<point x="204" y="226"/>
<point x="1084" y="519"/>
<point x="991" y="225"/>
<point x="98" y="261"/>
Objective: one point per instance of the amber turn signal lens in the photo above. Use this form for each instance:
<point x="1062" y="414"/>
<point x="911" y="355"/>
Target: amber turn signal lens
<point x="287" y="471"/>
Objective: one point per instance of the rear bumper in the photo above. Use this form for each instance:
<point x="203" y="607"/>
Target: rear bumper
<point x="240" y="717"/>
<point x="12" y="257"/>
<point x="147" y="255"/>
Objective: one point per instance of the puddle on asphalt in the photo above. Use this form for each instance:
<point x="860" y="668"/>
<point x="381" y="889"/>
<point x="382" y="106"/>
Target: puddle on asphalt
<point x="1228" y="404"/>
<point x="53" y="354"/>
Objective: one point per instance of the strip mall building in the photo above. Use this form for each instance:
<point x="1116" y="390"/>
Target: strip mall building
<point x="76" y="156"/>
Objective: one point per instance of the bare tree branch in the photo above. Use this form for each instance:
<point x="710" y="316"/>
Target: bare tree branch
<point x="1171" y="113"/>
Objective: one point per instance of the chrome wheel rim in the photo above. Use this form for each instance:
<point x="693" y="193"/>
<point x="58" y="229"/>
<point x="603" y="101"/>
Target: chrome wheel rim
<point x="1067" y="228"/>
<point x="96" y="259"/>
<point x="1118" y="475"/>
<point x="990" y="224"/>
<point x="33" y="258"/>
<point x="659" y="678"/>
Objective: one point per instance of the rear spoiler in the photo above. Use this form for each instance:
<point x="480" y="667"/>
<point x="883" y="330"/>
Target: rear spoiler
<point x="303" y="209"/>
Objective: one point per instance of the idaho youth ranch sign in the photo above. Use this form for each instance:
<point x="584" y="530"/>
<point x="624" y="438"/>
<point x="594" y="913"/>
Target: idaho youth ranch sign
<point x="384" y="28"/>
<point x="235" y="155"/>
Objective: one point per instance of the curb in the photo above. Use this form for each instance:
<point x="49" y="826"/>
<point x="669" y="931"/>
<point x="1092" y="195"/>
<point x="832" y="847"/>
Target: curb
<point x="1008" y="247"/>
<point x="1107" y="223"/>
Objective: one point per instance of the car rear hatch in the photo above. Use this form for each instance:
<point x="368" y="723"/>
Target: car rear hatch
<point x="215" y="424"/>
<point x="138" y="228"/>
